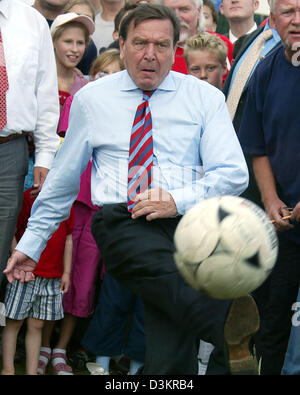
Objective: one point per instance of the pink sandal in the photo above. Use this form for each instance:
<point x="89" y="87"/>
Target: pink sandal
<point x="44" y="359"/>
<point x="59" y="364"/>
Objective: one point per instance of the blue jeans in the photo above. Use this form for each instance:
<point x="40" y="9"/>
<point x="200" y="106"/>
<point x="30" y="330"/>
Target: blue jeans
<point x="117" y="326"/>
<point x="292" y="358"/>
<point x="275" y="298"/>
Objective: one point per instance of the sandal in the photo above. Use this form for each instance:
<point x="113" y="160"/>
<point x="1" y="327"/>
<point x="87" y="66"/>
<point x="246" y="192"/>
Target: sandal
<point x="44" y="359"/>
<point x="59" y="364"/>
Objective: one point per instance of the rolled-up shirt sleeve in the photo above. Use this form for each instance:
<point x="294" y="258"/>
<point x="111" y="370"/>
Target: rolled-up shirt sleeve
<point x="45" y="137"/>
<point x="224" y="169"/>
<point x="61" y="187"/>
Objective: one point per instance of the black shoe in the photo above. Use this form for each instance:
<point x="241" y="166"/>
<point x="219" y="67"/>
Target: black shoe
<point x="241" y="324"/>
<point x="78" y="360"/>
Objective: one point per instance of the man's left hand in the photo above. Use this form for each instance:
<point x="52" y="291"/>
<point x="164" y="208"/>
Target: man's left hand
<point x="39" y="176"/>
<point x="295" y="214"/>
<point x="154" y="203"/>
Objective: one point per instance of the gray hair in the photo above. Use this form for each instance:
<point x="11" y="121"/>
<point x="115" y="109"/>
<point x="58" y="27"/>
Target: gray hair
<point x="272" y="4"/>
<point x="201" y="23"/>
<point x="198" y="3"/>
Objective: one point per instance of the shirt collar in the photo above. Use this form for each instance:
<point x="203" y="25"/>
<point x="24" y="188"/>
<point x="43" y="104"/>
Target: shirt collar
<point x="275" y="34"/>
<point x="233" y="38"/>
<point x="127" y="84"/>
<point x="254" y="27"/>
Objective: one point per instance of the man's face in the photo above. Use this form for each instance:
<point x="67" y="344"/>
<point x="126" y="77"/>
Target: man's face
<point x="238" y="9"/>
<point x="148" y="52"/>
<point x="286" y="20"/>
<point x="188" y="14"/>
<point x="209" y="20"/>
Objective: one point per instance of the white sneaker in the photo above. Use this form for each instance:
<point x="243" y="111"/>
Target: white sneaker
<point x="95" y="369"/>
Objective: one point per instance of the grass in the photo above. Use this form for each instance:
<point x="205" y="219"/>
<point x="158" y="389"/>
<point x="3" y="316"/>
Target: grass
<point x="20" y="370"/>
<point x="118" y="366"/>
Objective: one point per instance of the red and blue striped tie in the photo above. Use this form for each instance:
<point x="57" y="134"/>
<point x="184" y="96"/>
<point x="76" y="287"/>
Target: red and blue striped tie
<point x="140" y="151"/>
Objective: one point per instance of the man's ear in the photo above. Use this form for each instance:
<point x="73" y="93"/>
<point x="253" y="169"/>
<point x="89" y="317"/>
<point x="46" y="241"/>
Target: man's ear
<point x="224" y="68"/>
<point x="199" y="11"/>
<point x="174" y="52"/>
<point x="121" y="43"/>
<point x="115" y="35"/>
<point x="256" y="4"/>
<point x="272" y="20"/>
<point x="221" y="8"/>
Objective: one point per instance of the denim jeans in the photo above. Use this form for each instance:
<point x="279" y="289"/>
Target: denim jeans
<point x="292" y="358"/>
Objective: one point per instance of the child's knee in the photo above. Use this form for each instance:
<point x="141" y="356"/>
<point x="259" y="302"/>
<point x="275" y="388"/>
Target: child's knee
<point x="14" y="324"/>
<point x="35" y="324"/>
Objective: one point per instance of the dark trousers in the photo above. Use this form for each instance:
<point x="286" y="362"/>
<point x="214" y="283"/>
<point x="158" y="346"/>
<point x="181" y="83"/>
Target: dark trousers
<point x="13" y="169"/>
<point x="139" y="254"/>
<point x="117" y="326"/>
<point x="275" y="299"/>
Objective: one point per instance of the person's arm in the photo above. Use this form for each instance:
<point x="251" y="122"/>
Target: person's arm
<point x="224" y="167"/>
<point x="65" y="279"/>
<point x="46" y="139"/>
<point x="275" y="207"/>
<point x="221" y="169"/>
<point x="54" y="202"/>
<point x="13" y="244"/>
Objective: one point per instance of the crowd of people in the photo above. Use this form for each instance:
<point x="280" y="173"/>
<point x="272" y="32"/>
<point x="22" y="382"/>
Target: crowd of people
<point x="116" y="117"/>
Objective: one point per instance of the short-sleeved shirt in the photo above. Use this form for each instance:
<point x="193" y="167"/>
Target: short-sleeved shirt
<point x="50" y="264"/>
<point x="271" y="123"/>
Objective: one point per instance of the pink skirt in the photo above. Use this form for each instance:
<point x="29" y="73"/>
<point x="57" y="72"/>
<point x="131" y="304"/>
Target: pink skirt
<point x="85" y="272"/>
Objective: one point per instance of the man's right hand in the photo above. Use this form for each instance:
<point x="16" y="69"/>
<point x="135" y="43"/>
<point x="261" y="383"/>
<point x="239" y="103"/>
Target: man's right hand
<point x="19" y="267"/>
<point x="276" y="211"/>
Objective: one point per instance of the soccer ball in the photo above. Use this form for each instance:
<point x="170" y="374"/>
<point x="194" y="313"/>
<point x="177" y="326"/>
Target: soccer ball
<point x="225" y="247"/>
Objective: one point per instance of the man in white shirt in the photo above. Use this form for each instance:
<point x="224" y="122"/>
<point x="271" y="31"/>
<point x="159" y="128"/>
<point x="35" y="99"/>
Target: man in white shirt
<point x="240" y="16"/>
<point x="31" y="106"/>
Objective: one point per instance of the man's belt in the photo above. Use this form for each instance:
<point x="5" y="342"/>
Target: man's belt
<point x="11" y="137"/>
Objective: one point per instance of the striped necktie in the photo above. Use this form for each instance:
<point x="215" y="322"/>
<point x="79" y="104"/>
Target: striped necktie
<point x="245" y="70"/>
<point x="3" y="86"/>
<point x="140" y="151"/>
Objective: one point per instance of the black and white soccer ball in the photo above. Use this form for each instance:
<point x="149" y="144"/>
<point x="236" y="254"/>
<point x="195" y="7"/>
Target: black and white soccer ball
<point x="225" y="247"/>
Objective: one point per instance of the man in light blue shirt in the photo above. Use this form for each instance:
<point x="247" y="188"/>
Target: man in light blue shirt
<point x="196" y="155"/>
